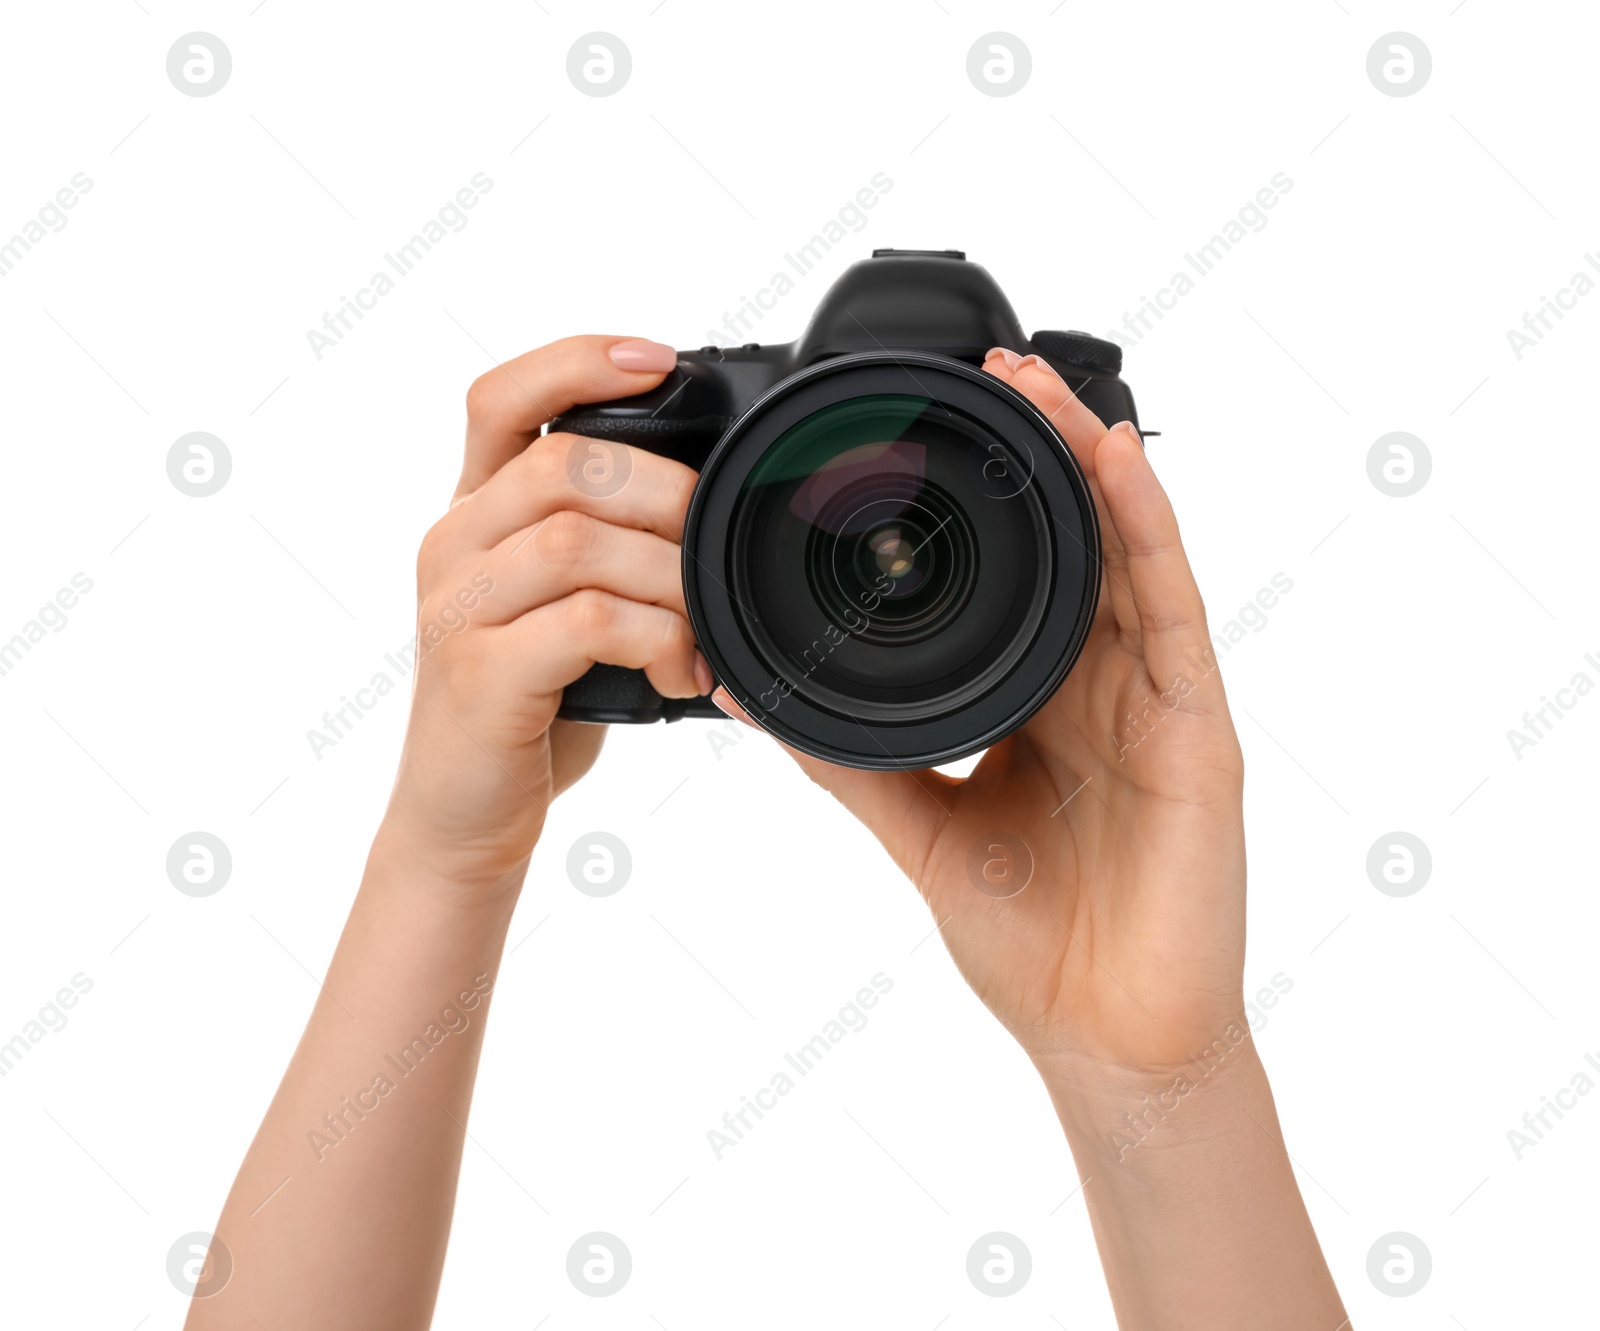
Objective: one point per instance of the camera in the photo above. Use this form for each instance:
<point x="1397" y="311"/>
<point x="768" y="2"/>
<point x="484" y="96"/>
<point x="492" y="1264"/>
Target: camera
<point x="891" y="559"/>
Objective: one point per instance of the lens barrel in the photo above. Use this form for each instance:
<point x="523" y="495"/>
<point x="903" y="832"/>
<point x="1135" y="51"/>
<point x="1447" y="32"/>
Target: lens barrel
<point x="891" y="560"/>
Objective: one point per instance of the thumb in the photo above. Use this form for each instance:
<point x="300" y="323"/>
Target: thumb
<point x="905" y="810"/>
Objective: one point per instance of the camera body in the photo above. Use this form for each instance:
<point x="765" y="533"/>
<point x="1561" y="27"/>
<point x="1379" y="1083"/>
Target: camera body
<point x="916" y="320"/>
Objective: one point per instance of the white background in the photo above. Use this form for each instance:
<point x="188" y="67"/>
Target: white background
<point x="1377" y="697"/>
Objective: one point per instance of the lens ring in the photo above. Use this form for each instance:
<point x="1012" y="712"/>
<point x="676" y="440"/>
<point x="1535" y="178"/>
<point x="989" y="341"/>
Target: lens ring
<point x="892" y="455"/>
<point x="1034" y="468"/>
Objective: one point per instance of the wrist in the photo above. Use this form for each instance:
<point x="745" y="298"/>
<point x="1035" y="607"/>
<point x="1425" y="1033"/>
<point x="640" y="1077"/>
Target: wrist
<point x="1117" y="1116"/>
<point x="475" y="883"/>
<point x="1192" y="1195"/>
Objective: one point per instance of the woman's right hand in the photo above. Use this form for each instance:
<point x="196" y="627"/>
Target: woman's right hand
<point x="536" y="573"/>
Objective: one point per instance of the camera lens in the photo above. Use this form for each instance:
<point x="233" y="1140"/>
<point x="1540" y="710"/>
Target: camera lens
<point x="891" y="560"/>
<point x="868" y="561"/>
<point x="910" y="573"/>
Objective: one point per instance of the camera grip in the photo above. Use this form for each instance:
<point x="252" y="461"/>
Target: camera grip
<point x="685" y="440"/>
<point x="615" y="695"/>
<point x="610" y="694"/>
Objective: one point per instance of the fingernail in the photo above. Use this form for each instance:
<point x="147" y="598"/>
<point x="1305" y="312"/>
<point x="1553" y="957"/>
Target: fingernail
<point x="1036" y="363"/>
<point x="1129" y="428"/>
<point x="1010" y="357"/>
<point x="641" y="356"/>
<point x="702" y="675"/>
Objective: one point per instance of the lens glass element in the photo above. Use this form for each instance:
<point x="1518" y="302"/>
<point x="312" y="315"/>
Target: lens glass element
<point x="889" y="558"/>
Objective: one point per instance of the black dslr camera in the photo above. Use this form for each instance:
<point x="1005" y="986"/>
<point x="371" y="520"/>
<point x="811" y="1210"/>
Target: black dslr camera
<point x="891" y="559"/>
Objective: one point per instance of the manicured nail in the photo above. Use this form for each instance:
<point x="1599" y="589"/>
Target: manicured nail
<point x="642" y="357"/>
<point x="1010" y="357"/>
<point x="702" y="675"/>
<point x="1038" y="364"/>
<point x="1129" y="428"/>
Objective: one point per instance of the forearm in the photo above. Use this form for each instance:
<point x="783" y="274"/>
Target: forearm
<point x="1193" y="1198"/>
<point x="361" y="1147"/>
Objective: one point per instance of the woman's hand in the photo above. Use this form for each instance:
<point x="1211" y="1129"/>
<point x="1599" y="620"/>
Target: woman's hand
<point x="540" y="569"/>
<point x="1119" y="806"/>
<point x="1126" y="947"/>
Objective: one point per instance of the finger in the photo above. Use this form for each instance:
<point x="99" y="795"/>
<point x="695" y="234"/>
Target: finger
<point x="1118" y="585"/>
<point x="640" y="489"/>
<point x="556" y="643"/>
<point x="1048" y="391"/>
<point x="1171" y="614"/>
<point x="1082" y="430"/>
<point x="904" y="810"/>
<point x="571" y="550"/>
<point x="507" y="406"/>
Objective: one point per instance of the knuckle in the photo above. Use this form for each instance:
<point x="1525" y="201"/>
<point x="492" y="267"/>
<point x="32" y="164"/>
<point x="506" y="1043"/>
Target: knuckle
<point x="567" y="356"/>
<point x="678" y="637"/>
<point x="590" y="613"/>
<point x="674" y="641"/>
<point x="545" y="462"/>
<point x="430" y="552"/>
<point x="466" y="664"/>
<point x="680" y="490"/>
<point x="567" y="539"/>
<point x="482" y="393"/>
<point x="670" y="668"/>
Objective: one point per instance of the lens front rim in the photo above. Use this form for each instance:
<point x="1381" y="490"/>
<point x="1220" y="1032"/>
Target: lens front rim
<point x="1032" y="444"/>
